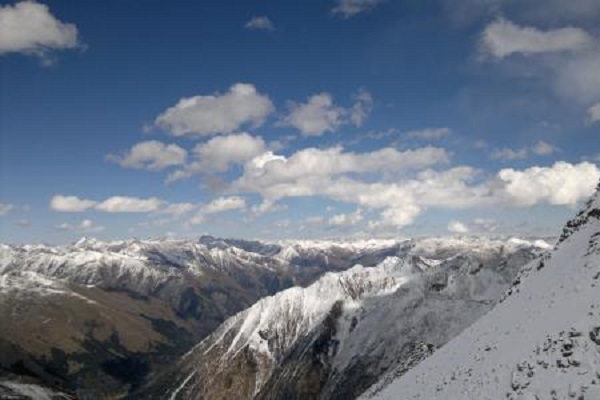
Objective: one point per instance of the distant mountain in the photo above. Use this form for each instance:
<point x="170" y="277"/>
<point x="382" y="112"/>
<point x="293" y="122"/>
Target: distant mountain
<point x="335" y="338"/>
<point x="97" y="318"/>
<point x="541" y="342"/>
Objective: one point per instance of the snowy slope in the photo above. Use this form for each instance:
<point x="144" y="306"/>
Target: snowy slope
<point x="333" y="338"/>
<point x="541" y="342"/>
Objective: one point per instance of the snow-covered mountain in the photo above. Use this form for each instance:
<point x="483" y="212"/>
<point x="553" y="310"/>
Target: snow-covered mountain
<point x="541" y="342"/>
<point x="335" y="338"/>
<point x="97" y="316"/>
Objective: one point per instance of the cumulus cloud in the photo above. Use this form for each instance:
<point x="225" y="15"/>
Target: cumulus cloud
<point x="561" y="184"/>
<point x="217" y="113"/>
<point x="503" y="38"/>
<point x="260" y="23"/>
<point x="429" y="133"/>
<point x="413" y="187"/>
<point x="279" y="175"/>
<point x="362" y="108"/>
<point x="398" y="216"/>
<point x="457" y="227"/>
<point x="315" y="117"/>
<point x="28" y="27"/>
<point x="319" y="114"/>
<point x="542" y="148"/>
<point x="593" y="114"/>
<point x="326" y="173"/>
<point x="70" y="203"/>
<point x="5" y="208"/>
<point x="152" y="155"/>
<point x="347" y="219"/>
<point x="124" y="204"/>
<point x="507" y="154"/>
<point x="218" y="205"/>
<point x="573" y="68"/>
<point x="114" y="204"/>
<point x="220" y="153"/>
<point x="350" y="8"/>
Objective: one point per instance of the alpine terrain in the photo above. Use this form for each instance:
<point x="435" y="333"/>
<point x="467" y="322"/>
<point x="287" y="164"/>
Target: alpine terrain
<point x="96" y="318"/>
<point x="335" y="338"/>
<point x="541" y="342"/>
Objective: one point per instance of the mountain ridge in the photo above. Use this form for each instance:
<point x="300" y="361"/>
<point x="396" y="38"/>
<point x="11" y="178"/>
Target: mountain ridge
<point x="323" y="333"/>
<point x="542" y="342"/>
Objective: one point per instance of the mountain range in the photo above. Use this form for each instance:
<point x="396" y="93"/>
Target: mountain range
<point x="100" y="319"/>
<point x="427" y="318"/>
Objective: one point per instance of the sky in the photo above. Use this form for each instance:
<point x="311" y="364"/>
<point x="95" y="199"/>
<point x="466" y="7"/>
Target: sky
<point x="314" y="119"/>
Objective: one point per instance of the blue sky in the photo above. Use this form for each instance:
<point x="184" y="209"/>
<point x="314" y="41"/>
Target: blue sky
<point x="270" y="119"/>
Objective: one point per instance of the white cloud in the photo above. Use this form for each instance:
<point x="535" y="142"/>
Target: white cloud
<point x="507" y="154"/>
<point x="278" y="175"/>
<point x="315" y="117"/>
<point x="347" y="219"/>
<point x="429" y="133"/>
<point x="218" y="205"/>
<point x="224" y="204"/>
<point x="114" y="204"/>
<point x="362" y="108"/>
<point x="320" y="114"/>
<point x="124" y="204"/>
<point x="594" y="113"/>
<point x="350" y="8"/>
<point x="398" y="216"/>
<point x="401" y="187"/>
<point x="314" y="172"/>
<point x="561" y="184"/>
<point x="457" y="227"/>
<point x="70" y="203"/>
<point x="5" y="208"/>
<point x="260" y="23"/>
<point x="543" y="148"/>
<point x="85" y="226"/>
<point x="220" y="153"/>
<point x="503" y="38"/>
<point x="218" y="113"/>
<point x="152" y="155"/>
<point x="28" y="27"/>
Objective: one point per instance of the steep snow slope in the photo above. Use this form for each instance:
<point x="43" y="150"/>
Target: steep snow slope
<point x="541" y="342"/>
<point x="337" y="336"/>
